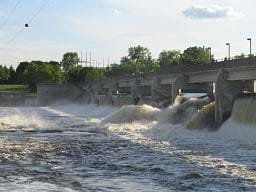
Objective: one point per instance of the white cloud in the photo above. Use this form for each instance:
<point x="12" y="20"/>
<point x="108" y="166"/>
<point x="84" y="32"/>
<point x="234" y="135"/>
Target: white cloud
<point x="117" y="11"/>
<point x="123" y="11"/>
<point x="211" y="12"/>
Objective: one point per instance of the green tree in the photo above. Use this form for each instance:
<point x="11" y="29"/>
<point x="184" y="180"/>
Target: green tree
<point x="195" y="55"/>
<point x="12" y="77"/>
<point x="69" y="60"/>
<point x="4" y="74"/>
<point x="20" y="70"/>
<point x="74" y="74"/>
<point x="56" y="71"/>
<point x="41" y="72"/>
<point x="81" y="74"/>
<point x="137" y="54"/>
<point x="138" y="59"/>
<point x="168" y="58"/>
<point x="241" y="56"/>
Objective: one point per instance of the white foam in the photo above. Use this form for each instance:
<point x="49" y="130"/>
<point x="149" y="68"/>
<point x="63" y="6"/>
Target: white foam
<point x="91" y="111"/>
<point x="23" y="185"/>
<point x="20" y="121"/>
<point x="233" y="130"/>
<point x="132" y="113"/>
<point x="244" y="111"/>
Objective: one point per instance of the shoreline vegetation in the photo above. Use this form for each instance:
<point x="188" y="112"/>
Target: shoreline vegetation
<point x="17" y="89"/>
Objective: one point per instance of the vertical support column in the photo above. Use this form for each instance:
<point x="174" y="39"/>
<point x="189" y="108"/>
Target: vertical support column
<point x="111" y="90"/>
<point x="176" y="85"/>
<point x="225" y="94"/>
<point x="96" y="91"/>
<point x="135" y="91"/>
<point x="88" y="93"/>
<point x="154" y="87"/>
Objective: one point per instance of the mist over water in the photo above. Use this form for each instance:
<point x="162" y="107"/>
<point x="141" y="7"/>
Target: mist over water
<point x="134" y="148"/>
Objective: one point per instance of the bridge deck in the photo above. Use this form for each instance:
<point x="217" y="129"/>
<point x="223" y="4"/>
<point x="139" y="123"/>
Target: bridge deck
<point x="239" y="69"/>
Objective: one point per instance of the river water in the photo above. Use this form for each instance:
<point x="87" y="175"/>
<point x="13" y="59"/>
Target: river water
<point x="70" y="148"/>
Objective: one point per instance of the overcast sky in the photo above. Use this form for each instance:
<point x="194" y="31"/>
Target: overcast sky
<point x="109" y="27"/>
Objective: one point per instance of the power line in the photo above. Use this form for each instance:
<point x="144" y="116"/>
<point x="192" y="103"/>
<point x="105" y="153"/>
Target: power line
<point x="14" y="37"/>
<point x="39" y="10"/>
<point x="10" y="14"/>
<point x="29" y="21"/>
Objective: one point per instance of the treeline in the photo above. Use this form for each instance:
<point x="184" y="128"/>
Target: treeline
<point x="139" y="59"/>
<point x="34" y="72"/>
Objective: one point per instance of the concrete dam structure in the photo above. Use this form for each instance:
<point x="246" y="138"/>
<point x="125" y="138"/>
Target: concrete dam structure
<point x="222" y="81"/>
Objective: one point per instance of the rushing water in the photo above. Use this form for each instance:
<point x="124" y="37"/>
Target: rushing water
<point x="71" y="148"/>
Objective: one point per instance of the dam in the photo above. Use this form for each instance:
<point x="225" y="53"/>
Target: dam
<point x="221" y="81"/>
<point x="77" y="137"/>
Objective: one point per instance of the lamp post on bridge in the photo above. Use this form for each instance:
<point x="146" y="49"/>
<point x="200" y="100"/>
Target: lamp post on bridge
<point x="250" y="40"/>
<point x="228" y="44"/>
<point x="210" y="53"/>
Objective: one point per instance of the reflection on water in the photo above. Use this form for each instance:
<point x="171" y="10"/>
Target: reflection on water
<point x="69" y="149"/>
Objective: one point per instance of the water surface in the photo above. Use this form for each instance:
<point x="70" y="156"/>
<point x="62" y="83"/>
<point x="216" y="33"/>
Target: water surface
<point x="68" y="148"/>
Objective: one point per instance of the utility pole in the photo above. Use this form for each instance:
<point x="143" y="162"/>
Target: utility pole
<point x="249" y="39"/>
<point x="210" y="53"/>
<point x="86" y="61"/>
<point x="81" y="59"/>
<point x="228" y="44"/>
<point x="90" y="58"/>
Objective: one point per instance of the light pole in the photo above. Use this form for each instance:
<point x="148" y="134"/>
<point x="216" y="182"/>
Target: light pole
<point x="210" y="52"/>
<point x="249" y="39"/>
<point x="228" y="44"/>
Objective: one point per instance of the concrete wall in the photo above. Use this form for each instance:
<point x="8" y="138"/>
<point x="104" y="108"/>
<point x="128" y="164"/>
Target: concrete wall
<point x="17" y="100"/>
<point x="10" y="100"/>
<point x="119" y="101"/>
<point x="50" y="94"/>
<point x="31" y="101"/>
<point x="105" y="100"/>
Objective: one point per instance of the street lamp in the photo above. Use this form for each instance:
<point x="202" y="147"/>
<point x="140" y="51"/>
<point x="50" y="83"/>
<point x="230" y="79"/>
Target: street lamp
<point x="249" y="39"/>
<point x="210" y="52"/>
<point x="228" y="44"/>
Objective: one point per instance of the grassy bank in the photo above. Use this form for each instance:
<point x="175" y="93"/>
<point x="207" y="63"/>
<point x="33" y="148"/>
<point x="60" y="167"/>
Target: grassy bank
<point x="16" y="89"/>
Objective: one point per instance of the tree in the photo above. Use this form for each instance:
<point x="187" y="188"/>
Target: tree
<point x="241" y="56"/>
<point x="41" y="72"/>
<point x="12" y="77"/>
<point x="20" y="70"/>
<point x="80" y="74"/>
<point x="69" y="60"/>
<point x="138" y="59"/>
<point x="195" y="55"/>
<point x="168" y="58"/>
<point x="4" y="74"/>
<point x="57" y="73"/>
<point x="137" y="54"/>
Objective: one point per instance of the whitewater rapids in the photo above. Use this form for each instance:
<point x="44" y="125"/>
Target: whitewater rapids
<point x="135" y="148"/>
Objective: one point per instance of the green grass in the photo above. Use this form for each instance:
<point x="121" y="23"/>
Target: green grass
<point x="16" y="89"/>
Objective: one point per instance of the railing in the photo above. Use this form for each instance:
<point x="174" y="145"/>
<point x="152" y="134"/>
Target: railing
<point x="182" y="69"/>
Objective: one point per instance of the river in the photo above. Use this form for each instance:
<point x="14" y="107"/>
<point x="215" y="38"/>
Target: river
<point x="69" y="148"/>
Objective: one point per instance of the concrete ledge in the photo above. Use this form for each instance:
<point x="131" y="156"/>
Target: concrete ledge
<point x="105" y="100"/>
<point x="31" y="101"/>
<point x="146" y="100"/>
<point x="122" y="101"/>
